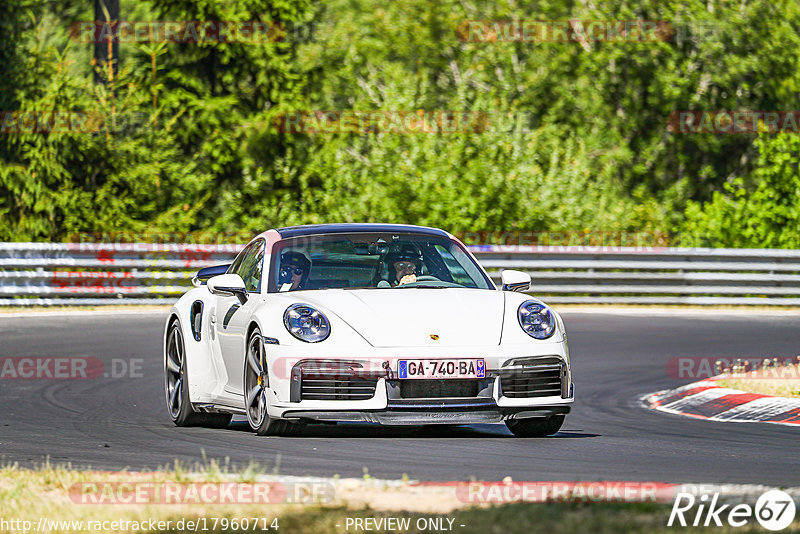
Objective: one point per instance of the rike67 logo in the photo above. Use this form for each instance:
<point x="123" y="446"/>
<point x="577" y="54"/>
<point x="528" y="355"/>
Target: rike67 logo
<point x="774" y="510"/>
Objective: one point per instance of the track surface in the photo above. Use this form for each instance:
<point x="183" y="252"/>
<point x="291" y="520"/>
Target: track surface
<point x="116" y="423"/>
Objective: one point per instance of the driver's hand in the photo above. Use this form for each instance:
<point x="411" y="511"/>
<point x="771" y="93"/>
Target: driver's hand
<point x="407" y="279"/>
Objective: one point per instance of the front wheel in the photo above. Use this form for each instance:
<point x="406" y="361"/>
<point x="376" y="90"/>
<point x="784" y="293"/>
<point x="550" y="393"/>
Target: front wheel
<point x="535" y="428"/>
<point x="256" y="384"/>
<point x="178" y="404"/>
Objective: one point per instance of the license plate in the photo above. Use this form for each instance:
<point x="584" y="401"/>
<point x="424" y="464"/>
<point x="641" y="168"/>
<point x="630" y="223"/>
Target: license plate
<point x="457" y="368"/>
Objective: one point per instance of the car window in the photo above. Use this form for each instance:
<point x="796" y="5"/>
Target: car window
<point x="332" y="263"/>
<point x="234" y="268"/>
<point x="455" y="268"/>
<point x="373" y="261"/>
<point x="251" y="266"/>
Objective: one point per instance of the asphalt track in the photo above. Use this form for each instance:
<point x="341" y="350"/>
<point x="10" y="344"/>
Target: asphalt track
<point x="116" y="423"/>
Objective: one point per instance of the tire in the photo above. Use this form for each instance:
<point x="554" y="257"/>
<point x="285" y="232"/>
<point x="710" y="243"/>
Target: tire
<point x="256" y="382"/>
<point x="179" y="406"/>
<point x="535" y="428"/>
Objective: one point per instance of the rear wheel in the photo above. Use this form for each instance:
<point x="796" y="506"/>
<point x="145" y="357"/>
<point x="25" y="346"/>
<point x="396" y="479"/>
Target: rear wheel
<point x="535" y="428"/>
<point x="177" y="389"/>
<point x="256" y="384"/>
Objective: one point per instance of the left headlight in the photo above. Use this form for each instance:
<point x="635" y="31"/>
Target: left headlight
<point x="306" y="323"/>
<point x="536" y="319"/>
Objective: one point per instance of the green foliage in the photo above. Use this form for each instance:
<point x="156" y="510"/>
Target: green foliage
<point x="167" y="137"/>
<point x="765" y="215"/>
<point x="120" y="172"/>
<point x="577" y="137"/>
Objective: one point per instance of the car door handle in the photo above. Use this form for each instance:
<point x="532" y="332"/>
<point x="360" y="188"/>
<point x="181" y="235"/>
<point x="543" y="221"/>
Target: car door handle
<point x="213" y="318"/>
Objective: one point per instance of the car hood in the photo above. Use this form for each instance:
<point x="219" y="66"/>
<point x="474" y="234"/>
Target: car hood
<point x="416" y="317"/>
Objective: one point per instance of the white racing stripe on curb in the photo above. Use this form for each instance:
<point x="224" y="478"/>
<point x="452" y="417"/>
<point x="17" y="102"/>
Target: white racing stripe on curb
<point x="759" y="409"/>
<point x="699" y="398"/>
<point x="663" y="394"/>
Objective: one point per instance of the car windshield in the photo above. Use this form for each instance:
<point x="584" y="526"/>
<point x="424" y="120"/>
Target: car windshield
<point x="373" y="261"/>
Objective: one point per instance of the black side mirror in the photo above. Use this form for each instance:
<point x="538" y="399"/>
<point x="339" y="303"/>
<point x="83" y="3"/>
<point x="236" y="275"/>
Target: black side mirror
<point x="204" y="274"/>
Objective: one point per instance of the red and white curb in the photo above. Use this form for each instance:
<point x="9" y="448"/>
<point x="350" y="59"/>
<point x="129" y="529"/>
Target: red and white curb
<point x="706" y="400"/>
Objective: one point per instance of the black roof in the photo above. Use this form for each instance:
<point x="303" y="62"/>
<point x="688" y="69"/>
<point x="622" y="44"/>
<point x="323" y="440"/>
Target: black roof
<point x="347" y="228"/>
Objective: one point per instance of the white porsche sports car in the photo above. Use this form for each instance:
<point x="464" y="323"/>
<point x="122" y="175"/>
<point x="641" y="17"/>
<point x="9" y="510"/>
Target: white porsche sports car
<point x="382" y="323"/>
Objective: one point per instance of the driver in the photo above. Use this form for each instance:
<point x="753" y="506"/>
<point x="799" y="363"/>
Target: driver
<point x="295" y="268"/>
<point x="404" y="265"/>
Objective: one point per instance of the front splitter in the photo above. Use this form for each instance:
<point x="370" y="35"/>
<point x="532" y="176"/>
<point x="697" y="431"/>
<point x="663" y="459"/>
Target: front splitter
<point x="428" y="417"/>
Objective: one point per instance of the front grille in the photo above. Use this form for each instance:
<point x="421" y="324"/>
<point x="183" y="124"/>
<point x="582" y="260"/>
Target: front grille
<point x="321" y="387"/>
<point x="438" y="389"/>
<point x="533" y="377"/>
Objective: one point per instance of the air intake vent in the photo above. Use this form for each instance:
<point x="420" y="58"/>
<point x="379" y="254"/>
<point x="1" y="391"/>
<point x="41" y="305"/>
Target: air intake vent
<point x="316" y="387"/>
<point x="332" y="380"/>
<point x="533" y="377"/>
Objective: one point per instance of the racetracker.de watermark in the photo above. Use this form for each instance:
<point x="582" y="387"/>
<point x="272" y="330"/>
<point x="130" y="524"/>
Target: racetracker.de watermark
<point x="191" y="31"/>
<point x="755" y="368"/>
<point x="588" y="492"/>
<point x="555" y="31"/>
<point x="52" y="121"/>
<point x="733" y="122"/>
<point x="116" y="493"/>
<point x="144" y="241"/>
<point x="70" y="121"/>
<point x="589" y="240"/>
<point x="69" y="368"/>
<point x="381" y="122"/>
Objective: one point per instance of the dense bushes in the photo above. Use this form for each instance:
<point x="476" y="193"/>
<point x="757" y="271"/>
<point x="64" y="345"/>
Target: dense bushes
<point x="577" y="136"/>
<point x="761" y="214"/>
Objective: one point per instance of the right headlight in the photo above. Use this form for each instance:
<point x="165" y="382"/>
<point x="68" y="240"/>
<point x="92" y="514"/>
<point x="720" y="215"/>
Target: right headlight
<point x="306" y="323"/>
<point x="536" y="319"/>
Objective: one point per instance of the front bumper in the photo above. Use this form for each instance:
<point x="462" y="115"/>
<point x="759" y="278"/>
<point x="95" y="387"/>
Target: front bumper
<point x="389" y="407"/>
<point x="460" y="411"/>
<point x="426" y="412"/>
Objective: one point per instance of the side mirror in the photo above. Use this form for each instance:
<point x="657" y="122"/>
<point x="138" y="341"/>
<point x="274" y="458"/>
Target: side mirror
<point x="204" y="274"/>
<point x="228" y="285"/>
<point x="515" y="280"/>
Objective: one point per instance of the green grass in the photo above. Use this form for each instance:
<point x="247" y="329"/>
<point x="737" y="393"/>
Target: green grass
<point x="751" y="382"/>
<point x="44" y="492"/>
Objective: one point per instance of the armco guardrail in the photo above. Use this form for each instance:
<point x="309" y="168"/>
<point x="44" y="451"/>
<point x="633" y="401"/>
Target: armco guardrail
<point x="140" y="273"/>
<point x="652" y="275"/>
<point x="46" y="274"/>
